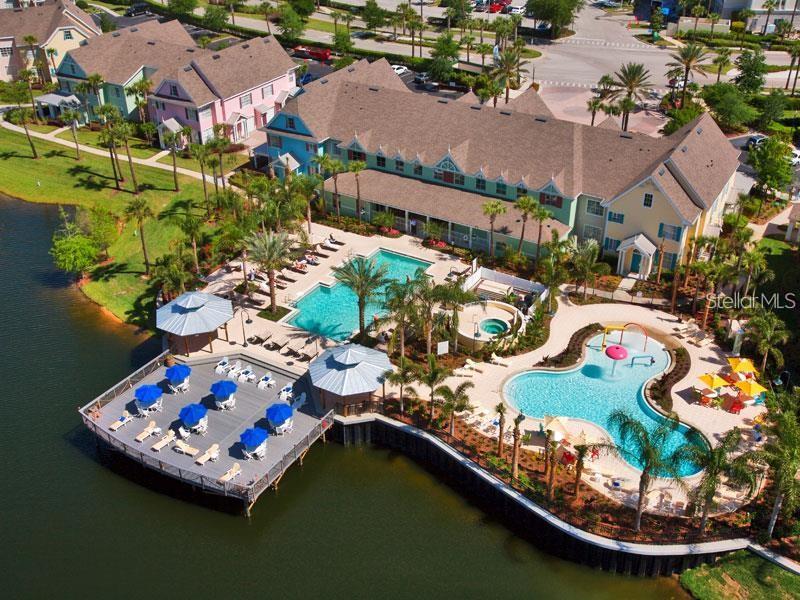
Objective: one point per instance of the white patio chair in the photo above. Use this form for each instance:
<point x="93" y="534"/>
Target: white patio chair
<point x="235" y="370"/>
<point x="201" y="428"/>
<point x="267" y="381"/>
<point x="184" y="433"/>
<point x="228" y="403"/>
<point x="183" y="386"/>
<point x="247" y="374"/>
<point x="222" y="366"/>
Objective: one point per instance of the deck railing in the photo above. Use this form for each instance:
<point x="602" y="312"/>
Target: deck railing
<point x="127" y="383"/>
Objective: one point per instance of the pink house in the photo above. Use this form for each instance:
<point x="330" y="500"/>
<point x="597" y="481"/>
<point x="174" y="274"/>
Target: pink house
<point x="241" y="86"/>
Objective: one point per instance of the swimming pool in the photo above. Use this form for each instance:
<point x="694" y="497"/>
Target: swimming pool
<point x="590" y="392"/>
<point x="333" y="311"/>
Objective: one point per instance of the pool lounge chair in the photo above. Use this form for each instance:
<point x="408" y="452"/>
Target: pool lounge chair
<point x="266" y="382"/>
<point x="279" y="341"/>
<point x="212" y="454"/>
<point x="332" y="240"/>
<point x="182" y="447"/>
<point x="228" y="403"/>
<point x="147" y="432"/>
<point x="247" y="375"/>
<point x="222" y="366"/>
<point x="201" y="428"/>
<point x="165" y="441"/>
<point x="326" y="245"/>
<point x="462" y="372"/>
<point x="256" y="454"/>
<point x="184" y="433"/>
<point x="471" y="364"/>
<point x="234" y="371"/>
<point x="498" y="360"/>
<point x="299" y="267"/>
<point x="455" y="273"/>
<point x="295" y="345"/>
<point x="123" y="420"/>
<point x="231" y="473"/>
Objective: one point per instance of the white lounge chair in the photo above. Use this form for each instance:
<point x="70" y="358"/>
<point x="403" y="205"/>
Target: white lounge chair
<point x="247" y="374"/>
<point x="123" y="420"/>
<point x="462" y="372"/>
<point x="183" y="386"/>
<point x="201" y="428"/>
<point x="256" y="454"/>
<point x="212" y="454"/>
<point x="147" y="432"/>
<point x="184" y="433"/>
<point x="228" y="403"/>
<point x="499" y="360"/>
<point x="235" y="370"/>
<point x="222" y="366"/>
<point x="285" y="393"/>
<point x="267" y="381"/>
<point x="182" y="447"/>
<point x="165" y="440"/>
<point x="285" y="427"/>
<point x="471" y="364"/>
<point x="231" y="473"/>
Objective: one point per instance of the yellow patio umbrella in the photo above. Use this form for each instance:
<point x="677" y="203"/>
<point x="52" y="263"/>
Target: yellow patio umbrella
<point x="713" y="381"/>
<point x="742" y="365"/>
<point x="750" y="387"/>
<point x="557" y="426"/>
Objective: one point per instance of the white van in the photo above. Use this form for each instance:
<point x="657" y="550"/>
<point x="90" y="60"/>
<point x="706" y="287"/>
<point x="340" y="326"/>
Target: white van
<point x="515" y="10"/>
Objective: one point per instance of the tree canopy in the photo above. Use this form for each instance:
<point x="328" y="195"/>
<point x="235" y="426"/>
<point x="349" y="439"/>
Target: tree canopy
<point x="752" y="67"/>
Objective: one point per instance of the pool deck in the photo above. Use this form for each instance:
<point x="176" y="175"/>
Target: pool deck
<point x="224" y="427"/>
<point x="487" y="392"/>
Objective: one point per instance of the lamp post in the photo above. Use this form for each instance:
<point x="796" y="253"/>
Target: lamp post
<point x="242" y="313"/>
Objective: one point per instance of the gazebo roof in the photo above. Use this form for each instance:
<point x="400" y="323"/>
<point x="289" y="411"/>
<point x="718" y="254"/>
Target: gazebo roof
<point x="349" y="369"/>
<point x="192" y="313"/>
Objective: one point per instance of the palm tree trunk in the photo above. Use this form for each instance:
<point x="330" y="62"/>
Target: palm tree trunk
<point x="30" y="140"/>
<point x="578" y="473"/>
<point x="144" y="249"/>
<point x="336" y="197"/>
<point x="789" y="76"/>
<point x="222" y="169"/>
<point x="551" y="476"/>
<point x="75" y="139"/>
<point x="747" y="282"/>
<point x="175" y="169"/>
<point x="452" y="424"/>
<point x="491" y="239"/>
<point x="130" y="165"/>
<point x="685" y="81"/>
<point x="515" y="455"/>
<point x="764" y="360"/>
<point x="643" y="485"/>
<point x="361" y="309"/>
<point x="322" y="191"/>
<point x="539" y="243"/>
<point x="358" y="198"/>
<point x="114" y="169"/>
<point x="546" y="451"/>
<point x="674" y="301"/>
<point x="116" y="161"/>
<point x="205" y="188"/>
<point x="194" y="254"/>
<point x="273" y="303"/>
<point x="796" y="73"/>
<point x="704" y="517"/>
<point x="522" y="234"/>
<point x="776" y="509"/>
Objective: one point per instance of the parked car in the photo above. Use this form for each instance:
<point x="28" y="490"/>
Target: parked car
<point x="754" y="140"/>
<point x="321" y="54"/>
<point x="795" y="158"/>
<point x="495" y="8"/>
<point x="428" y="86"/>
<point x="307" y="78"/>
<point x="422" y="77"/>
<point x="134" y="10"/>
<point x="515" y="10"/>
<point x="479" y="7"/>
<point x="400" y="69"/>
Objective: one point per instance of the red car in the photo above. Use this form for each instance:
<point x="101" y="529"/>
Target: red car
<point x="321" y="54"/>
<point x="496" y="7"/>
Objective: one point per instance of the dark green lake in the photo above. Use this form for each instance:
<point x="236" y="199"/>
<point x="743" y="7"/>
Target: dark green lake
<point x="351" y="523"/>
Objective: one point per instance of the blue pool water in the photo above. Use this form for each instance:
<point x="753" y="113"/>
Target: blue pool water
<point x="590" y="392"/>
<point x="333" y="311"/>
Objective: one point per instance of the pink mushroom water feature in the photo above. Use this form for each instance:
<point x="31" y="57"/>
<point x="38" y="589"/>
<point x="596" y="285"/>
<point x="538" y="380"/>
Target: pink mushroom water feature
<point x="616" y="353"/>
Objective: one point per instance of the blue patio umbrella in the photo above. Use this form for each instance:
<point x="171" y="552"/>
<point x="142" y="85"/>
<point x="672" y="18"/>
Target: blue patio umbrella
<point x="279" y="413"/>
<point x="223" y="389"/>
<point x="192" y="414"/>
<point x="147" y="394"/>
<point x="178" y="373"/>
<point x="253" y="437"/>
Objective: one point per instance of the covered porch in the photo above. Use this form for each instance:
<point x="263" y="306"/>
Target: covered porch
<point x="50" y="106"/>
<point x="635" y="256"/>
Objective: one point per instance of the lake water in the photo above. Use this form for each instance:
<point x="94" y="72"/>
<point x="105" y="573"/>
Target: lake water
<point x="351" y="523"/>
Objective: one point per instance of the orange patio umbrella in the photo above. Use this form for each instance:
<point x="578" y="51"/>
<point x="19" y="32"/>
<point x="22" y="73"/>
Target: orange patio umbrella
<point x="750" y="387"/>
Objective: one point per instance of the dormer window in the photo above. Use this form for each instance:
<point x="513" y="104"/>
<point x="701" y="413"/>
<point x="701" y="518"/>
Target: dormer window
<point x="290" y="124"/>
<point x="521" y="191"/>
<point x="500" y="189"/>
<point x="173" y="90"/>
<point x="480" y="184"/>
<point x="380" y="161"/>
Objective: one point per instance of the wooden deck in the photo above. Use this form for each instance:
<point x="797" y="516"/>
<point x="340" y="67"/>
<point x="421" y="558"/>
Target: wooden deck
<point x="224" y="427"/>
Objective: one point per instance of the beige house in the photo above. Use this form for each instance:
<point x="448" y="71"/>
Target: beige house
<point x="57" y="26"/>
<point x="793" y="229"/>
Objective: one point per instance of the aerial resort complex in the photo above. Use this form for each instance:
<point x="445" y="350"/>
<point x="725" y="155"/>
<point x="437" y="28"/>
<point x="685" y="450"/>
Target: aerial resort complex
<point x="510" y="284"/>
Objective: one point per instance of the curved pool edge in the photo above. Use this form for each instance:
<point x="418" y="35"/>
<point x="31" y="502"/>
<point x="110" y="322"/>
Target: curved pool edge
<point x="642" y="396"/>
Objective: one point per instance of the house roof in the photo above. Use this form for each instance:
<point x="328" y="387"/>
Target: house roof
<point x="512" y="142"/>
<point x="640" y="242"/>
<point x="42" y="20"/>
<point x="529" y="102"/>
<point x="438" y="201"/>
<point x="244" y="66"/>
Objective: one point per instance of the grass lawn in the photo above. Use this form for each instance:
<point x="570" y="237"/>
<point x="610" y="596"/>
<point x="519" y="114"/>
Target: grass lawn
<point x="529" y="53"/>
<point x="58" y="178"/>
<point x="230" y="162"/>
<point x="741" y="575"/>
<point x="139" y="147"/>
<point x="42" y="127"/>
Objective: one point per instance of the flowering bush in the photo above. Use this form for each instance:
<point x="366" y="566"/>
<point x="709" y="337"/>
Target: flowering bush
<point x="389" y="232"/>
<point x="431" y="243"/>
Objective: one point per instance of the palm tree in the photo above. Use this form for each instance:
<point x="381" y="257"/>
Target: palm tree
<point x="766" y="330"/>
<point x="335" y="167"/>
<point x="137" y="209"/>
<point x="192" y="227"/>
<point x="769" y="6"/>
<point x="201" y="153"/>
<point x="644" y="446"/>
<point x="31" y="41"/>
<point x="713" y="18"/>
<point x="493" y="89"/>
<point x="219" y="143"/>
<point x="455" y="400"/>
<point x="527" y="207"/>
<point x="355" y="167"/>
<point x="754" y="262"/>
<point x="426" y="301"/>
<point x="124" y="131"/>
<point x="631" y="81"/>
<point x="585" y="265"/>
<point x="171" y="273"/>
<point x="516" y="447"/>
<point x="366" y="278"/>
<point x="493" y="209"/>
<point x="551" y="448"/>
<point x="507" y="69"/>
<point x="469" y="43"/>
<point x="70" y="117"/>
<point x="269" y="251"/>
<point x="141" y="91"/>
<point x="782" y="454"/>
<point x="95" y="83"/>
<point x="593" y="105"/>
<point x="690" y="58"/>
<point x="432" y="377"/>
<point x="108" y="113"/>
<point x="552" y="273"/>
<point x="581" y="452"/>
<point x="716" y="464"/>
<point x="697" y="12"/>
<point x="500" y="409"/>
<point x="21" y="117"/>
<point x="453" y="296"/>
<point x="540" y="215"/>
<point x="326" y="165"/>
<point x="403" y="376"/>
<point x="28" y="76"/>
<point x="306" y="186"/>
<point x="794" y="53"/>
<point x="400" y="302"/>
<point x="483" y="49"/>
<point x="174" y="141"/>
<point x="723" y="59"/>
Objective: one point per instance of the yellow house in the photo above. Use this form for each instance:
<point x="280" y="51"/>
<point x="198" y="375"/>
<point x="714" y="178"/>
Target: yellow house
<point x="56" y="27"/>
